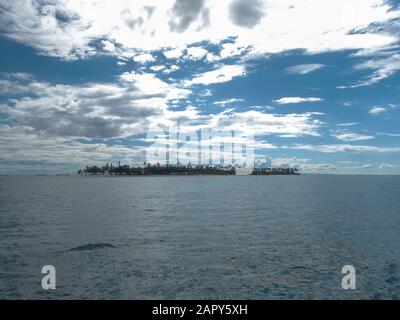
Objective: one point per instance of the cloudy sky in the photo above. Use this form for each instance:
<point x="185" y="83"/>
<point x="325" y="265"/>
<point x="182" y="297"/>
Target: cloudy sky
<point x="317" y="82"/>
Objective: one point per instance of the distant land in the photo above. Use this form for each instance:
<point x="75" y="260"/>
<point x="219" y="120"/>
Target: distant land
<point x="159" y="169"/>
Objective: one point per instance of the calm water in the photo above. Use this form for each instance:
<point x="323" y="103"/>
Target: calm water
<point x="200" y="237"/>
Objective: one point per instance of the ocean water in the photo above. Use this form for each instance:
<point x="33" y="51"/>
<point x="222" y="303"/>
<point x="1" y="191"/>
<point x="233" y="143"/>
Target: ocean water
<point x="268" y="237"/>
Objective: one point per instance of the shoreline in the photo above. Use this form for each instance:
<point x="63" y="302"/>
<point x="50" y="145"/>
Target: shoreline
<point x="210" y="175"/>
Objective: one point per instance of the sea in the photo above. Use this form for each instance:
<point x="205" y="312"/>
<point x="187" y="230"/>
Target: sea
<point x="200" y="237"/>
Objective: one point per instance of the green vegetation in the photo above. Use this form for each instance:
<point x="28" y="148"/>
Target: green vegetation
<point x="158" y="169"/>
<point x="275" y="171"/>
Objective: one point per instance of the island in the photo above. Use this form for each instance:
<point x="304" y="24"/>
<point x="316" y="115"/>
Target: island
<point x="166" y="169"/>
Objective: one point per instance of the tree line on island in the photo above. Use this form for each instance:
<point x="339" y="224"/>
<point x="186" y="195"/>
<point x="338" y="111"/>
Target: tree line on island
<point x="178" y="169"/>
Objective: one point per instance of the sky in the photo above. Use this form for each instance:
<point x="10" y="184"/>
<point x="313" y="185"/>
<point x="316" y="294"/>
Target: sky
<point x="317" y="82"/>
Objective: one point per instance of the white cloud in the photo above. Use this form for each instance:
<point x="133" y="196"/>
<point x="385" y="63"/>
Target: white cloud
<point x="157" y="68"/>
<point x="261" y="123"/>
<point x="17" y="75"/>
<point x="223" y="103"/>
<point x="57" y="123"/>
<point x="144" y="58"/>
<point x="262" y="145"/>
<point x="109" y="46"/>
<point x="298" y="163"/>
<point x="174" y="53"/>
<point x="347" y="124"/>
<point x="294" y="100"/>
<point x="139" y="102"/>
<point x="71" y="29"/>
<point x="304" y="68"/>
<point x="334" y="148"/>
<point x="8" y="87"/>
<point x="19" y="145"/>
<point x="322" y="167"/>
<point x="303" y="164"/>
<point x="347" y="136"/>
<point x="377" y="110"/>
<point x="388" y="166"/>
<point x="366" y="166"/>
<point x="196" y="52"/>
<point x="171" y="69"/>
<point x="223" y="74"/>
<point x="149" y="84"/>
<point x="262" y="108"/>
<point x="389" y="134"/>
<point x="383" y="68"/>
<point x="230" y="50"/>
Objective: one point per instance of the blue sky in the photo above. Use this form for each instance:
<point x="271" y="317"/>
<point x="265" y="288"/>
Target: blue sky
<point x="317" y="84"/>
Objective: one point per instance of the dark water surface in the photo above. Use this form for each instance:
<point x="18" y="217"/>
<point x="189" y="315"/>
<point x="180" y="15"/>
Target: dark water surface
<point x="200" y="237"/>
